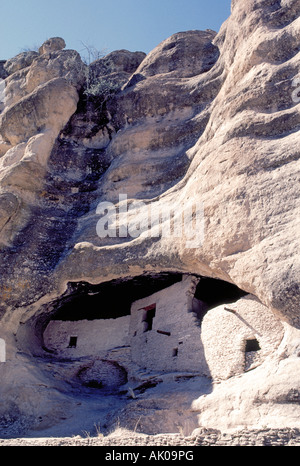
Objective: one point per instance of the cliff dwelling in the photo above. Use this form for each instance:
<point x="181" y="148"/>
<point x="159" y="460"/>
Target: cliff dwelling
<point x="193" y="150"/>
<point x="168" y="323"/>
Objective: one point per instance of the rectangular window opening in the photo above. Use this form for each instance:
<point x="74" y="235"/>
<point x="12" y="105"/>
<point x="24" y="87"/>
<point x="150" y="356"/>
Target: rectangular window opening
<point x="72" y="342"/>
<point x="149" y="314"/>
<point x="252" y="345"/>
<point x="175" y="352"/>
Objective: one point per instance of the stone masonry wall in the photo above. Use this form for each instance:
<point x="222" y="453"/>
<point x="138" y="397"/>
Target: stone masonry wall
<point x="173" y="343"/>
<point x="93" y="336"/>
<point x="224" y="334"/>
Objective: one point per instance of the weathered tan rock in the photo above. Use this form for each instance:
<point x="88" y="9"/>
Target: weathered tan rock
<point x="59" y="64"/>
<point x="52" y="45"/>
<point x="117" y="61"/>
<point x="21" y="61"/>
<point x="34" y="113"/>
<point x="15" y="88"/>
<point x="183" y="55"/>
<point x="28" y="70"/>
<point x="108" y="74"/>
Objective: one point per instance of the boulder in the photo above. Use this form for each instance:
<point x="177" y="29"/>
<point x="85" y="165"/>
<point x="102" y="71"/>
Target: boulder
<point x="110" y="73"/>
<point x="117" y="61"/>
<point x="184" y="54"/>
<point x="52" y="45"/>
<point x="59" y="64"/>
<point x="34" y="112"/>
<point x="21" y="61"/>
<point x="62" y="64"/>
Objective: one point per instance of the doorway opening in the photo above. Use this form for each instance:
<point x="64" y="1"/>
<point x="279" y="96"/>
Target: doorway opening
<point x="72" y="342"/>
<point x="149" y="314"/>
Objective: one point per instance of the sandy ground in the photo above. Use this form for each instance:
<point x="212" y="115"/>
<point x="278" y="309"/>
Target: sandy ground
<point x="114" y="420"/>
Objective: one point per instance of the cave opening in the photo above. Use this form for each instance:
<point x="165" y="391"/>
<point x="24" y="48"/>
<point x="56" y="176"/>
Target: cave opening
<point x="101" y="320"/>
<point x="113" y="299"/>
<point x="211" y="292"/>
<point x="109" y="300"/>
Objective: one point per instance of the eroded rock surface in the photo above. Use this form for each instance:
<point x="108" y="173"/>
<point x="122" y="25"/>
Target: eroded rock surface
<point x="206" y="118"/>
<point x="52" y="45"/>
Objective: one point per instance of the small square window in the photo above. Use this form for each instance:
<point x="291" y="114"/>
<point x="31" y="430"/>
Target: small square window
<point x="252" y="345"/>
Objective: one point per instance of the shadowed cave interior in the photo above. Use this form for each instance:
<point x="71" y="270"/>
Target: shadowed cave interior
<point x="113" y="299"/>
<point x="83" y="302"/>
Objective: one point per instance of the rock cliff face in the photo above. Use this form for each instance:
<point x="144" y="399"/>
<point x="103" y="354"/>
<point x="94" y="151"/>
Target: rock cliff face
<point x="206" y="119"/>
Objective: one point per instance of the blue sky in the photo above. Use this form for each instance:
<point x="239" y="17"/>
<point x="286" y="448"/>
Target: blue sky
<point x="106" y="25"/>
